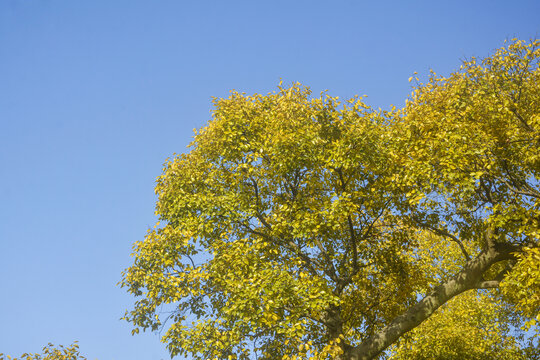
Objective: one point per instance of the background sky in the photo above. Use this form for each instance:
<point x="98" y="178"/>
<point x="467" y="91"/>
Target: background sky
<point x="95" y="95"/>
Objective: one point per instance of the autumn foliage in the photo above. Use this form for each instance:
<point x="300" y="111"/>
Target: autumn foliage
<point x="301" y="226"/>
<point x="51" y="352"/>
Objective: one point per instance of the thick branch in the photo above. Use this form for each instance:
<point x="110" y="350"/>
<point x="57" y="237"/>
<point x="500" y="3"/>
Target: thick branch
<point x="468" y="278"/>
<point x="491" y="284"/>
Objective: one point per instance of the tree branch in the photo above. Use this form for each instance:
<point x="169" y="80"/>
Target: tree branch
<point x="353" y="244"/>
<point x="530" y="193"/>
<point x="490" y="284"/>
<point x="446" y="234"/>
<point x="522" y="120"/>
<point x="466" y="279"/>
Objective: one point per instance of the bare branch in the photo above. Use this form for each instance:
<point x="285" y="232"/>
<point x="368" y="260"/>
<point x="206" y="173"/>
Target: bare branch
<point x="531" y="192"/>
<point x="334" y="276"/>
<point x="353" y="244"/>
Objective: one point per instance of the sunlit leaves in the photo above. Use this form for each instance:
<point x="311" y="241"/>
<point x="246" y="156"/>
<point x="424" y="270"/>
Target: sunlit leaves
<point x="474" y="138"/>
<point x="299" y="226"/>
<point x="522" y="285"/>
<point x="51" y="352"/>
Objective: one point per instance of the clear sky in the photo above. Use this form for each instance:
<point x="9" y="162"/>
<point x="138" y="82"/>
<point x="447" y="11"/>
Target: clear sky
<point x="96" y="94"/>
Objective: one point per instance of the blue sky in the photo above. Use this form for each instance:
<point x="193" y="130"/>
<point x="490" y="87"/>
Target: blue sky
<point x="95" y="95"/>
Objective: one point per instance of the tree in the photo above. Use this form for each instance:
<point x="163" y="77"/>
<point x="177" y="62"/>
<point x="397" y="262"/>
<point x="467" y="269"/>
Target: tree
<point x="300" y="226"/>
<point x="51" y="352"/>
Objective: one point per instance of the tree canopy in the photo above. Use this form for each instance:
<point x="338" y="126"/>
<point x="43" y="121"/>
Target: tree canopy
<point x="51" y="352"/>
<point x="301" y="226"/>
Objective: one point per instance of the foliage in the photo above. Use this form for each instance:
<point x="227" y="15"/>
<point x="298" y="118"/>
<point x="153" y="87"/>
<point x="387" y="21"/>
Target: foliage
<point x="522" y="286"/>
<point x="473" y="139"/>
<point x="51" y="352"/>
<point x="301" y="226"/>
